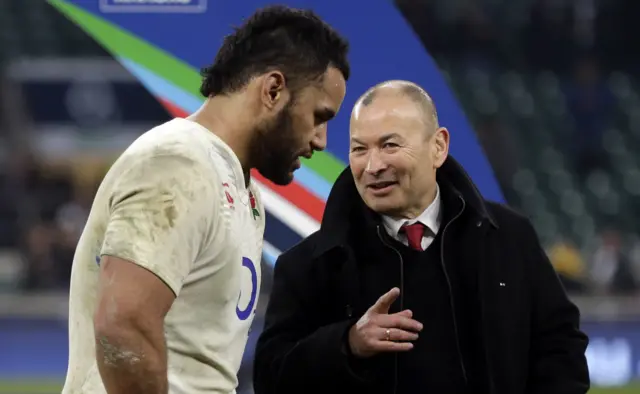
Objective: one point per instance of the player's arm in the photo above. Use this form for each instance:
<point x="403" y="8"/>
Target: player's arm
<point x="158" y="220"/>
<point x="130" y="345"/>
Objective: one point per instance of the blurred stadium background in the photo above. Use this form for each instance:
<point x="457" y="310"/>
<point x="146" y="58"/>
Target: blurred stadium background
<point x="551" y="88"/>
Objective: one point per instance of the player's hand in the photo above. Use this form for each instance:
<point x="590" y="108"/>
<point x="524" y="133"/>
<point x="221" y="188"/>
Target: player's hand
<point x="377" y="331"/>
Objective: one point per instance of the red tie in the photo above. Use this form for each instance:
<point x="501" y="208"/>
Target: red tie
<point x="414" y="233"/>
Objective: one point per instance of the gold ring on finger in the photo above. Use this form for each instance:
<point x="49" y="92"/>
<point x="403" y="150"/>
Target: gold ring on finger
<point x="388" y="334"/>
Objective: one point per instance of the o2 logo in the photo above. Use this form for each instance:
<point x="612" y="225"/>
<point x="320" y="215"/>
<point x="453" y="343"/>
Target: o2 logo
<point x="243" y="314"/>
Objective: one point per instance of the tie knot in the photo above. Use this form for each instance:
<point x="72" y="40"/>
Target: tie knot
<point x="414" y="233"/>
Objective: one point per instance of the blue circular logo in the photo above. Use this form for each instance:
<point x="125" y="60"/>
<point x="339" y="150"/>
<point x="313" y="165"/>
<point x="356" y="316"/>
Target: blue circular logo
<point x="243" y="314"/>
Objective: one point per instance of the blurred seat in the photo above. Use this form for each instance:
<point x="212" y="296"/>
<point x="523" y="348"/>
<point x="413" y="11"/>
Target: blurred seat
<point x="11" y="269"/>
<point x="36" y="29"/>
<point x="546" y="186"/>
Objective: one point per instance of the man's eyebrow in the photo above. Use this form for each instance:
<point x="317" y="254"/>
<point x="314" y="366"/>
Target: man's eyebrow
<point x="383" y="138"/>
<point x="389" y="136"/>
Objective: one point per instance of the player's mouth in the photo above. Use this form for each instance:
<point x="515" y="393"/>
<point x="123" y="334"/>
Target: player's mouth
<point x="297" y="163"/>
<point x="381" y="188"/>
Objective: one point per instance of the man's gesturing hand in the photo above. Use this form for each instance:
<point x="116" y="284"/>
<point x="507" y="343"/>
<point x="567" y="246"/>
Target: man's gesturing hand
<point x="377" y="331"/>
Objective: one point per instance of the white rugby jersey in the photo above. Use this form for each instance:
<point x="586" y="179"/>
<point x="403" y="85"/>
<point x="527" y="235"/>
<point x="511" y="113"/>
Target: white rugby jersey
<point x="175" y="203"/>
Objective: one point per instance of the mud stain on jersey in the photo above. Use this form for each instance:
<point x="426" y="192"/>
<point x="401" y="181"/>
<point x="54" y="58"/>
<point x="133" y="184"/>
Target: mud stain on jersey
<point x="171" y="214"/>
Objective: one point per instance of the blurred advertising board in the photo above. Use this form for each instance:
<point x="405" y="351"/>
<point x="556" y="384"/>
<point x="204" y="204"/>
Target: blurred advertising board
<point x="613" y="354"/>
<point x="77" y="108"/>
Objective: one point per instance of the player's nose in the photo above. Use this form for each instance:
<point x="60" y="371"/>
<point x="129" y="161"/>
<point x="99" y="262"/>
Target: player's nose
<point x="319" y="141"/>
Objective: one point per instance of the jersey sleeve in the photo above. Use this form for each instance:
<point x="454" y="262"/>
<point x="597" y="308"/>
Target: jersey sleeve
<point x="162" y="209"/>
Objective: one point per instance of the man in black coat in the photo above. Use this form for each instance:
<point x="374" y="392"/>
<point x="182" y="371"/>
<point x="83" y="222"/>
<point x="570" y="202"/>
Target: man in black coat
<point x="414" y="283"/>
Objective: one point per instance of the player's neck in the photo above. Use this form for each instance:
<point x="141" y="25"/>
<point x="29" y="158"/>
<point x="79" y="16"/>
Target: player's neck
<point x="224" y="117"/>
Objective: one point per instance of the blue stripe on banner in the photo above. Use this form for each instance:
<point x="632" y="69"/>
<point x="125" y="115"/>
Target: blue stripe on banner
<point x="313" y="182"/>
<point x="160" y="87"/>
<point x="278" y="234"/>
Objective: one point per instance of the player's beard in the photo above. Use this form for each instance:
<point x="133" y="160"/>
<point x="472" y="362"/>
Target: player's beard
<point x="275" y="148"/>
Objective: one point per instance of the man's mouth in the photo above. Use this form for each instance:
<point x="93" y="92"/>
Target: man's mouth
<point x="382" y="185"/>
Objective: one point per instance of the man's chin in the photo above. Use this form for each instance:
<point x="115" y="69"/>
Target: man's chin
<point x="382" y="205"/>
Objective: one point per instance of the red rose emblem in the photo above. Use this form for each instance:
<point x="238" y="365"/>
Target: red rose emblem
<point x="254" y="210"/>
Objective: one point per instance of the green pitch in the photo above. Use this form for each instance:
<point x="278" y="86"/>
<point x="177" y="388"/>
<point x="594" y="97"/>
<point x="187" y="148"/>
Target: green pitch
<point x="633" y="389"/>
<point x="25" y="387"/>
<point x="48" y="387"/>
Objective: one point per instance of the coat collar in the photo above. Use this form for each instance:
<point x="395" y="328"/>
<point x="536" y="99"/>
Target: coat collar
<point x="344" y="203"/>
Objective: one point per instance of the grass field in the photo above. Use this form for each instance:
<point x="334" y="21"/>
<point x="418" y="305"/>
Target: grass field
<point x="42" y="387"/>
<point x="635" y="389"/>
<point x="55" y="387"/>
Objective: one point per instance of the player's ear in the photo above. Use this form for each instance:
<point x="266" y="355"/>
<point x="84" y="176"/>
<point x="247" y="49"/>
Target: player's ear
<point x="274" y="90"/>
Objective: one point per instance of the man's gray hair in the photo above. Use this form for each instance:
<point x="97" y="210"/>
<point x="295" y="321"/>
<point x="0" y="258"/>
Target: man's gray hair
<point x="406" y="88"/>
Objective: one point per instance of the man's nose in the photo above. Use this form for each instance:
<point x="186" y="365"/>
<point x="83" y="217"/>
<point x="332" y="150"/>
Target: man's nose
<point x="375" y="163"/>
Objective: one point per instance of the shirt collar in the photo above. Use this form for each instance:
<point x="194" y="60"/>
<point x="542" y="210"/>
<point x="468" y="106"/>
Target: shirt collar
<point x="430" y="217"/>
<point x="229" y="156"/>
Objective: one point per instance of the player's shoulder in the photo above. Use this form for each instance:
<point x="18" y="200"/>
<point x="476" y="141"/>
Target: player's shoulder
<point x="177" y="137"/>
<point x="171" y="153"/>
<point x="177" y="146"/>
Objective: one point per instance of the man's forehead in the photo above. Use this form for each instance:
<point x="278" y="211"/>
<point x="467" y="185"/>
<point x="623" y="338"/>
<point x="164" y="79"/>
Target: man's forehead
<point x="383" y="120"/>
<point x="389" y="109"/>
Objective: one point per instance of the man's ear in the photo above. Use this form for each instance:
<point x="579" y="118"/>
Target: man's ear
<point x="440" y="146"/>
<point x="274" y="92"/>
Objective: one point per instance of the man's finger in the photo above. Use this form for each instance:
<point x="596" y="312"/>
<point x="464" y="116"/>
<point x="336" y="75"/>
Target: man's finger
<point x="387" y="346"/>
<point x="398" y="321"/>
<point x="406" y="313"/>
<point x="384" y="302"/>
<point x="397" y="335"/>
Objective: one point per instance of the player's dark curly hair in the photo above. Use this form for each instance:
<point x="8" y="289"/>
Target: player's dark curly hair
<point x="296" y="42"/>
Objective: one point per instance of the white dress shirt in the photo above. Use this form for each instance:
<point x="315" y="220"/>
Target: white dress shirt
<point x="430" y="217"/>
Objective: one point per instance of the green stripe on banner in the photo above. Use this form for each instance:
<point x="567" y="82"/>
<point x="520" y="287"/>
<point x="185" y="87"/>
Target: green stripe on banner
<point x="124" y="44"/>
<point x="326" y="165"/>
